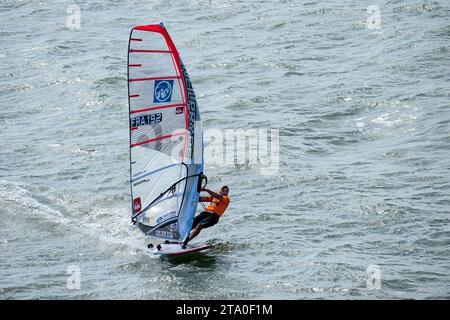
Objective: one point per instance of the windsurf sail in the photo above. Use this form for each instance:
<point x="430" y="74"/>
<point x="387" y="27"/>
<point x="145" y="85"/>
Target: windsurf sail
<point x="166" y="140"/>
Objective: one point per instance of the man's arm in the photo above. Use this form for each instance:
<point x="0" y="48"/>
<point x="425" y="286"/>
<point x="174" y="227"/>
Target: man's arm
<point x="213" y="194"/>
<point x="204" y="199"/>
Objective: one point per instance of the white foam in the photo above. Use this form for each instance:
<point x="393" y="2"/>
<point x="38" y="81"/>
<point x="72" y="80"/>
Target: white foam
<point x="109" y="225"/>
<point x="17" y="196"/>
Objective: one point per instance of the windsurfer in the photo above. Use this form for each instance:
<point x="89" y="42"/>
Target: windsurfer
<point x="218" y="204"/>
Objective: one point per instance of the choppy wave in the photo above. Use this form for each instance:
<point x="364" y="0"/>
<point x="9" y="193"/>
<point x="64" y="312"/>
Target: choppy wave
<point x="364" y="173"/>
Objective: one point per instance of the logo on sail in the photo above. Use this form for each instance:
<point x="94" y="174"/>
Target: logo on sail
<point x="137" y="205"/>
<point x="163" y="91"/>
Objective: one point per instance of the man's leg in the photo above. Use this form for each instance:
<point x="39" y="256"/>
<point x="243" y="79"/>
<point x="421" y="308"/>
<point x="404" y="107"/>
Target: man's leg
<point x="197" y="220"/>
<point x="194" y="233"/>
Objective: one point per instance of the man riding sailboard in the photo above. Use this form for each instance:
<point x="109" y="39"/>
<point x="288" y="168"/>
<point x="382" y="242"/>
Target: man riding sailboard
<point x="208" y="218"/>
<point x="166" y="146"/>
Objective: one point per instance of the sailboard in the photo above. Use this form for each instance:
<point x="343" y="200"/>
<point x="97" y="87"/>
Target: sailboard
<point x="173" y="249"/>
<point x="166" y="139"/>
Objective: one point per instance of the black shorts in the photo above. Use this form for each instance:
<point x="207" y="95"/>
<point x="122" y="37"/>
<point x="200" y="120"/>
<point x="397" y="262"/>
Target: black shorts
<point x="206" y="219"/>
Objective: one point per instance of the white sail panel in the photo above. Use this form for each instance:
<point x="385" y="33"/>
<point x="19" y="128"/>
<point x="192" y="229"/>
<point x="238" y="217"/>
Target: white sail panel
<point x="142" y="95"/>
<point x="157" y="123"/>
<point x="160" y="64"/>
<point x="145" y="40"/>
